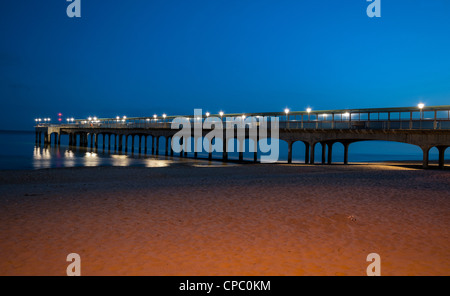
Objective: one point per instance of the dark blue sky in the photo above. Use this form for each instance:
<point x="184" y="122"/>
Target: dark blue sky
<point x="137" y="58"/>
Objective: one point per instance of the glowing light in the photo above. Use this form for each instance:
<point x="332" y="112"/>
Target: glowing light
<point x="207" y="114"/>
<point x="221" y="113"/>
<point x="155" y="116"/>
<point x="164" y="116"/>
<point x="243" y="116"/>
<point x="308" y="110"/>
<point x="421" y="106"/>
<point x="286" y="111"/>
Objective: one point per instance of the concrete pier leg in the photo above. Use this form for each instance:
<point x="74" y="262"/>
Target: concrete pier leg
<point x="346" y="153"/>
<point x="330" y="153"/>
<point x="55" y="140"/>
<point x="195" y="148"/>
<point x="290" y="152"/>
<point x="96" y="141"/>
<point x="109" y="142"/>
<point x="92" y="140"/>
<point x="210" y="151"/>
<point x="126" y="143"/>
<point x="120" y="144"/>
<point x="157" y="145"/>
<point x="255" y="151"/>
<point x="104" y="144"/>
<point x="225" y="148"/>
<point x="306" y="153"/>
<point x="324" y="149"/>
<point x="140" y="144"/>
<point x="241" y="150"/>
<point x="153" y="145"/>
<point x="145" y="145"/>
<point x="40" y="138"/>
<point x="132" y="144"/>
<point x="425" y="157"/>
<point x="313" y="152"/>
<point x="181" y="146"/>
<point x="442" y="156"/>
<point x="166" y="148"/>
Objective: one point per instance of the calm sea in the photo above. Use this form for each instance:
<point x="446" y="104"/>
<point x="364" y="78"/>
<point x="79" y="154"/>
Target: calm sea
<point x="18" y="151"/>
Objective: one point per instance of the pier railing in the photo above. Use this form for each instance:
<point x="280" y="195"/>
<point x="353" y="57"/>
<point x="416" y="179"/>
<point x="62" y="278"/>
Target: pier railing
<point x="407" y="118"/>
<point x="293" y="124"/>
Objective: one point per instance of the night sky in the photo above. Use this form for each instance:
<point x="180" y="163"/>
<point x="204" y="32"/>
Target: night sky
<point x="138" y="58"/>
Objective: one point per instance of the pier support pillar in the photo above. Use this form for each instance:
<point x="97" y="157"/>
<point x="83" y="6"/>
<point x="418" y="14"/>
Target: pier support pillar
<point x="306" y="153"/>
<point x="330" y="152"/>
<point x="225" y="148"/>
<point x="47" y="139"/>
<point x="210" y="149"/>
<point x="126" y="143"/>
<point x="425" y="157"/>
<point x="166" y="148"/>
<point x="145" y="145"/>
<point x="290" y="152"/>
<point x="181" y="146"/>
<point x="132" y="144"/>
<point x="96" y="141"/>
<point x="346" y="152"/>
<point x="313" y="152"/>
<point x="324" y="149"/>
<point x="140" y="144"/>
<point x="120" y="144"/>
<point x="104" y="144"/>
<point x="442" y="156"/>
<point x="157" y="145"/>
<point x="241" y="149"/>
<point x="153" y="145"/>
<point x="195" y="147"/>
<point x="171" y="147"/>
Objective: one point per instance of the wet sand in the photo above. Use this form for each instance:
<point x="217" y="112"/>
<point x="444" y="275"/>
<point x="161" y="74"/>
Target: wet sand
<point x="231" y="220"/>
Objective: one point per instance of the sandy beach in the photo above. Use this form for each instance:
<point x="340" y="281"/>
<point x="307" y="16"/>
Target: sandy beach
<point x="230" y="220"/>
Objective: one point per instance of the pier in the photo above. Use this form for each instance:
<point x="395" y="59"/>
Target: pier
<point x="425" y="127"/>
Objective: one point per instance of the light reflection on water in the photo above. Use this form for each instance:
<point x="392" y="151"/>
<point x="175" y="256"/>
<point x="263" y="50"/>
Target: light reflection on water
<point x="54" y="157"/>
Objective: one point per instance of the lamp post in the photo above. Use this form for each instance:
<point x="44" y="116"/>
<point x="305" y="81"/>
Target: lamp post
<point x="287" y="116"/>
<point x="309" y="113"/>
<point x="421" y="106"/>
